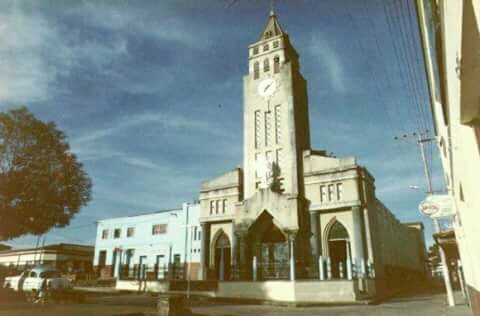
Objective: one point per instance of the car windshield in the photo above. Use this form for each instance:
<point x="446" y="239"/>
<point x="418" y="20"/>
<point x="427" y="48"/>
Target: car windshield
<point x="50" y="274"/>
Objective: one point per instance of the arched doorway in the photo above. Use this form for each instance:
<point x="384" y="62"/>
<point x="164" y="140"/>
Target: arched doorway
<point x="222" y="257"/>
<point x="338" y="248"/>
<point x="274" y="254"/>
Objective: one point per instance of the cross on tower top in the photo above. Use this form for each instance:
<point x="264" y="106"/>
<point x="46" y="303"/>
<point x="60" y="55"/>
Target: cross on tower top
<point x="272" y="7"/>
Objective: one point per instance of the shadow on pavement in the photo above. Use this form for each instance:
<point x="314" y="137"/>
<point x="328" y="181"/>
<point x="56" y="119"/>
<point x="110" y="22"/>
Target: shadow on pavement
<point x="417" y="291"/>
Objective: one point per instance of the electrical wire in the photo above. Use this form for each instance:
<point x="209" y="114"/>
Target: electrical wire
<point x="394" y="23"/>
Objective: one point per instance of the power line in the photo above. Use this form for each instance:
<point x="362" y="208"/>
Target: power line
<point x="421" y="139"/>
<point x="401" y="50"/>
<point x="373" y="27"/>
<point x="398" y="58"/>
<point x="415" y="52"/>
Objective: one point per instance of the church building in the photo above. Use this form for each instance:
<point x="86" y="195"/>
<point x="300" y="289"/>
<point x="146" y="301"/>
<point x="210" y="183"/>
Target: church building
<point x="292" y="212"/>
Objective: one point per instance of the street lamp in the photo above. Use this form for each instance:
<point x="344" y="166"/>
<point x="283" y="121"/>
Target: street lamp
<point x="188" y="229"/>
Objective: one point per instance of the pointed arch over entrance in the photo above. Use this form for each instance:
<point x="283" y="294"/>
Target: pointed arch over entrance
<point x="338" y="242"/>
<point x="270" y="246"/>
<point x="222" y="256"/>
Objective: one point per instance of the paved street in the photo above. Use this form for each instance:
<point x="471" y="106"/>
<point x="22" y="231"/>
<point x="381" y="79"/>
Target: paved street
<point x="144" y="305"/>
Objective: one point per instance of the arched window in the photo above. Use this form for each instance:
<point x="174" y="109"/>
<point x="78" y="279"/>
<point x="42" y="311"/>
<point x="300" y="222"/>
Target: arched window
<point x="337" y="231"/>
<point x="256" y="70"/>
<point x="276" y="64"/>
<point x="266" y="65"/>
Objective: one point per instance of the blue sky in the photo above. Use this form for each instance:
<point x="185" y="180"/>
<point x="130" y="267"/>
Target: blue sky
<point x="149" y="93"/>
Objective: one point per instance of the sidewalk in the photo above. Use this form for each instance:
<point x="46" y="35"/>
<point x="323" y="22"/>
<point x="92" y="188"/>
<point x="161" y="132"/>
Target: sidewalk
<point x="421" y="305"/>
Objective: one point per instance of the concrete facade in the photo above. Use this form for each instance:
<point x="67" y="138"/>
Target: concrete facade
<point x="450" y="32"/>
<point x="149" y="245"/>
<point x="291" y="211"/>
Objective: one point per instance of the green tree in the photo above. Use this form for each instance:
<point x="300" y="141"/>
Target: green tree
<point x="42" y="184"/>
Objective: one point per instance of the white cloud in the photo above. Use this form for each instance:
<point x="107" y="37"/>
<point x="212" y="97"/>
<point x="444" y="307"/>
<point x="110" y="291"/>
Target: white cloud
<point x="321" y="49"/>
<point x="25" y="75"/>
<point x="34" y="51"/>
<point x="138" y="19"/>
<point x="164" y="119"/>
<point x="140" y="162"/>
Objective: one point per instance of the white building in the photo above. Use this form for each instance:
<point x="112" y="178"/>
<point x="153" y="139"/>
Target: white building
<point x="292" y="212"/>
<point x="145" y="246"/>
<point x="451" y="42"/>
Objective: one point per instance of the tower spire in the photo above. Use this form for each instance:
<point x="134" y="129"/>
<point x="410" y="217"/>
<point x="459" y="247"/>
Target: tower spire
<point x="273" y="27"/>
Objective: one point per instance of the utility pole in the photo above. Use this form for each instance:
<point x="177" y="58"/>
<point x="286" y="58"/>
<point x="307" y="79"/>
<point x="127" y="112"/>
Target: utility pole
<point x="421" y="140"/>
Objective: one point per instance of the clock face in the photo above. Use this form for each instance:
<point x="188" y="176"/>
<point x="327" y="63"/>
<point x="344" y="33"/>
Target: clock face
<point x="267" y="87"/>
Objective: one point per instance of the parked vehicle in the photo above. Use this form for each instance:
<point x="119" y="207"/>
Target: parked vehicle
<point x="31" y="280"/>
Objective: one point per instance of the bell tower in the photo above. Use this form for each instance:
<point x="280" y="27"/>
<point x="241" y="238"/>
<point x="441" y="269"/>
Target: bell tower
<point x="276" y="125"/>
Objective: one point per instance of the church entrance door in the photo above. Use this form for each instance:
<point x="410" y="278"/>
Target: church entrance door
<point x="222" y="257"/>
<point x="274" y="254"/>
<point x="270" y="247"/>
<point x="338" y="249"/>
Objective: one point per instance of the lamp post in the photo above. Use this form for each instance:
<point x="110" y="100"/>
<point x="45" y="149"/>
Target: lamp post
<point x="188" y="241"/>
<point x="187" y="220"/>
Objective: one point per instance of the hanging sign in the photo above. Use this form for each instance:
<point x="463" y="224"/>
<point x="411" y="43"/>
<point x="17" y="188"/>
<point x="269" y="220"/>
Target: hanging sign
<point x="437" y="206"/>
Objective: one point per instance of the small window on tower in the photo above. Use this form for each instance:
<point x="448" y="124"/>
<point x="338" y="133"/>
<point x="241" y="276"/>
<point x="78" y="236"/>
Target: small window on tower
<point x="266" y="65"/>
<point x="268" y="128"/>
<point x="276" y="64"/>
<point x="277" y="124"/>
<point x="256" y="70"/>
<point x="275" y="44"/>
<point x="265" y="47"/>
<point x="257" y="129"/>
<point x="279" y="161"/>
<point x="255" y="50"/>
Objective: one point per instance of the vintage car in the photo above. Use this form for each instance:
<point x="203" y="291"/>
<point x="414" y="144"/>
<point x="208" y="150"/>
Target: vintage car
<point x="33" y="279"/>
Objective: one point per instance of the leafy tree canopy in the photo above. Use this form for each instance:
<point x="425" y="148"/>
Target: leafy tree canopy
<point x="42" y="184"/>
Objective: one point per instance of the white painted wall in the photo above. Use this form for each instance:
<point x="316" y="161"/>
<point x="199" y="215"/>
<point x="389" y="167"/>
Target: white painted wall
<point x="460" y="147"/>
<point x="178" y="236"/>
